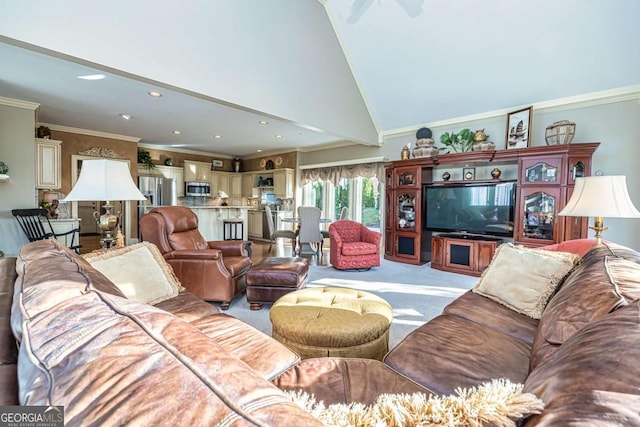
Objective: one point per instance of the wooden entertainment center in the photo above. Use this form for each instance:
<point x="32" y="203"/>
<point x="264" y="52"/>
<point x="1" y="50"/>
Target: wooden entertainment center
<point x="544" y="183"/>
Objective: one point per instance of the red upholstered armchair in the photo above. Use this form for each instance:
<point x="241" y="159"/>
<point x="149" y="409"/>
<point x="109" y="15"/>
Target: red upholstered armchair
<point x="214" y="271"/>
<point x="353" y="246"/>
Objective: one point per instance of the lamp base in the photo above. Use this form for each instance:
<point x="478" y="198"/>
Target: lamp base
<point x="598" y="227"/>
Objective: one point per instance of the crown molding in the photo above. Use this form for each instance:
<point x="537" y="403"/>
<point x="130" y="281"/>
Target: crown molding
<point x="10" y="102"/>
<point x="90" y="132"/>
<point x="185" y="151"/>
<point x="560" y="104"/>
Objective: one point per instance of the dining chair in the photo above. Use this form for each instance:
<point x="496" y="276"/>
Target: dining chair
<point x="36" y="226"/>
<point x="310" y="228"/>
<point x="279" y="234"/>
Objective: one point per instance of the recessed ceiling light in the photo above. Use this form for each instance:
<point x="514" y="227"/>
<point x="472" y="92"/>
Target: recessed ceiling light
<point x="259" y="151"/>
<point x="92" y="77"/>
<point x="263" y="122"/>
<point x="125" y="116"/>
<point x="154" y="94"/>
<point x="277" y="136"/>
<point x="177" y="132"/>
<point x="217" y="136"/>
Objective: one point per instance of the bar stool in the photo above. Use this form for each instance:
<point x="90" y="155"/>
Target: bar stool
<point x="233" y="228"/>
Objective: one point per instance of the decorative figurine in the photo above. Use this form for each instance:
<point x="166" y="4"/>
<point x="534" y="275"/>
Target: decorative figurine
<point x="495" y="173"/>
<point x="446" y="176"/>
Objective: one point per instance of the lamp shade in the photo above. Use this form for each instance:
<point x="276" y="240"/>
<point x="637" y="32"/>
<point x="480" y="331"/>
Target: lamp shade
<point x="103" y="179"/>
<point x="602" y="196"/>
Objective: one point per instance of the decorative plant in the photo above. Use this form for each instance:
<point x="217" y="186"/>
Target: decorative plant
<point x="3" y="168"/>
<point x="145" y="158"/>
<point x="457" y="142"/>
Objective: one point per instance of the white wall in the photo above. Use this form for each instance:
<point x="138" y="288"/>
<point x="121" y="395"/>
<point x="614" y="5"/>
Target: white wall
<point x="17" y="150"/>
<point x="616" y="126"/>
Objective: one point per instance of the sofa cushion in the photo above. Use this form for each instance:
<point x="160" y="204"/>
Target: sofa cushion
<point x="139" y="271"/>
<point x="112" y="361"/>
<point x="594" y="377"/>
<point x="450" y="352"/>
<point x="188" y="307"/>
<point x="524" y="279"/>
<point x="602" y="283"/>
<point x="496" y="316"/>
<point x="45" y="264"/>
<point x="266" y="356"/>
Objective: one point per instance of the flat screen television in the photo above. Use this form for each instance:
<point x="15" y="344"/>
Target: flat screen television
<point x="477" y="208"/>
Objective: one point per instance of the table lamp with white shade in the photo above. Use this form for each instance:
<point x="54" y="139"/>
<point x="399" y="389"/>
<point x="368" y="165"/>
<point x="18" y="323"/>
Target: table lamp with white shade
<point x="600" y="197"/>
<point x="108" y="180"/>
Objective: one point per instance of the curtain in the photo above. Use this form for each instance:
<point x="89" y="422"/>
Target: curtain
<point x="336" y="173"/>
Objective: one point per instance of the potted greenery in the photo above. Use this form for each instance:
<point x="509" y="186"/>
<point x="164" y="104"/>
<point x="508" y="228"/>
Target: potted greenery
<point x="457" y="142"/>
<point x="145" y="158"/>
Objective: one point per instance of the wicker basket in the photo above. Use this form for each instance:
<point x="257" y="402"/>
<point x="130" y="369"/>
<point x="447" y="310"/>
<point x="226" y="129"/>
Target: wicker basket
<point x="561" y="132"/>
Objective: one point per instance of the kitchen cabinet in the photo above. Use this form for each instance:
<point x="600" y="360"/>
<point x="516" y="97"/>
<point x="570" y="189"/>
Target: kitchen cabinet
<point x="283" y="180"/>
<point x="247" y="185"/>
<point x="235" y="185"/>
<point x="48" y="164"/>
<point x="255" y="224"/>
<point x="175" y="173"/>
<point x="197" y="171"/>
<point x="219" y="182"/>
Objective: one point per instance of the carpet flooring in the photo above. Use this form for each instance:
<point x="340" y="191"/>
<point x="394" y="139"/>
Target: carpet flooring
<point x="416" y="293"/>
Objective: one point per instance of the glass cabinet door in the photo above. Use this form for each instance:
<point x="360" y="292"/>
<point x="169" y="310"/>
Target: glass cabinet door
<point x="406" y="212"/>
<point x="539" y="216"/>
<point x="541" y="172"/>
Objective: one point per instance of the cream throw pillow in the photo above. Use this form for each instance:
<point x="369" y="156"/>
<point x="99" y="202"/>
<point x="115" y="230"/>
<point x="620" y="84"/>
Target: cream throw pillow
<point x="524" y="279"/>
<point x="139" y="271"/>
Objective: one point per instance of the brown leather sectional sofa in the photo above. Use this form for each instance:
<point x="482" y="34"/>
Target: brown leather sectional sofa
<point x="111" y="361"/>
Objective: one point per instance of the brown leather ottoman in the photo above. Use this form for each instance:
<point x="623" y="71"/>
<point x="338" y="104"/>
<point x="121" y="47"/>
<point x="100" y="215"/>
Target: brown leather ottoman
<point x="273" y="278"/>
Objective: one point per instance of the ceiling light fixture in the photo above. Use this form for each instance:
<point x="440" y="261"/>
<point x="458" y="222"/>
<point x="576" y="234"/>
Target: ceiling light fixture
<point x="154" y="94"/>
<point x="277" y="136"/>
<point x="177" y="132"/>
<point x="92" y="77"/>
<point x="125" y="116"/>
<point x="217" y="136"/>
<point x="263" y="122"/>
<point x="259" y="151"/>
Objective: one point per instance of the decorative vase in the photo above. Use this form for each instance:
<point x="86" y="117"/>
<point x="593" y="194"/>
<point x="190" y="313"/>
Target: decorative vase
<point x="236" y="165"/>
<point x="561" y="132"/>
<point x="405" y="154"/>
<point x="479" y="136"/>
<point x="424" y="148"/>
<point x="446" y="176"/>
<point x="495" y="173"/>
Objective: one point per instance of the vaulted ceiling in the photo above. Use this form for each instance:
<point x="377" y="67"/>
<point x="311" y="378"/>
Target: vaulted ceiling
<point x="320" y="72"/>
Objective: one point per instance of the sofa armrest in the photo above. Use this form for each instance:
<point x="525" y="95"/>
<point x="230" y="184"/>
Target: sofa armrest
<point x="194" y="254"/>
<point x="370" y="236"/>
<point x="229" y="247"/>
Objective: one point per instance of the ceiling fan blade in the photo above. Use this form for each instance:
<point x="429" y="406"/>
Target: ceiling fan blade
<point x="358" y="8"/>
<point x="412" y="7"/>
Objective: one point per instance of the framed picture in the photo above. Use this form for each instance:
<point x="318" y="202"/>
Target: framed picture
<point x="518" y="127"/>
<point x="468" y="174"/>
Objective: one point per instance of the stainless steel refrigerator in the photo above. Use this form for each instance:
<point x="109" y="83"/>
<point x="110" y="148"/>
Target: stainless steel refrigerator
<point x="159" y="191"/>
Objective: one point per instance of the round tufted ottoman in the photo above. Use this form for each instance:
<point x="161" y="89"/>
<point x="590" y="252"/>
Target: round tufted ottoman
<point x="330" y="321"/>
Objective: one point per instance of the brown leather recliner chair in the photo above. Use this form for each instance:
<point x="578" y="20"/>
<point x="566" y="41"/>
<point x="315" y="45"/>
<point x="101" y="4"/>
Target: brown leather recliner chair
<point x="214" y="271"/>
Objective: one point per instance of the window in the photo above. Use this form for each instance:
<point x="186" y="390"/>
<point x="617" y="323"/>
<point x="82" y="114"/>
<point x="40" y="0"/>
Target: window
<point x="361" y="196"/>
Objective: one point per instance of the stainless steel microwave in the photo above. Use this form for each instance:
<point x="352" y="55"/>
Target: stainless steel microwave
<point x="197" y="189"/>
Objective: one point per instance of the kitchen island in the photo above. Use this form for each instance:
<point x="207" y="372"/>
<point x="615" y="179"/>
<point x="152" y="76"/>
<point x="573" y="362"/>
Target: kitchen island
<point x="210" y="219"/>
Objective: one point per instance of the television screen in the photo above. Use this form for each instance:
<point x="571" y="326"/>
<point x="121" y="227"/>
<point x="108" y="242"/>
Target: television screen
<point x="481" y="208"/>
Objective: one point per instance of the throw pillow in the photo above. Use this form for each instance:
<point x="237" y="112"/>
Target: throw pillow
<point x="524" y="279"/>
<point x="496" y="403"/>
<point x="139" y="271"/>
